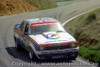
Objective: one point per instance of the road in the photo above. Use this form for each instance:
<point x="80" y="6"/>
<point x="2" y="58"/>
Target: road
<point x="9" y="57"/>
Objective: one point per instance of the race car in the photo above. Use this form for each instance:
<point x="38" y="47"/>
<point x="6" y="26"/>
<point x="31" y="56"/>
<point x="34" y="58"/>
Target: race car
<point x="45" y="38"/>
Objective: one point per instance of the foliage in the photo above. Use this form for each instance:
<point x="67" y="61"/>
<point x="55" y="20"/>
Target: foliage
<point x="92" y="55"/>
<point x="86" y="30"/>
<point x="91" y="17"/>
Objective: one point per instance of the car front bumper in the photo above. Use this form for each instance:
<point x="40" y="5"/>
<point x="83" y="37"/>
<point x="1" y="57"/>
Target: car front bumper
<point x="54" y="54"/>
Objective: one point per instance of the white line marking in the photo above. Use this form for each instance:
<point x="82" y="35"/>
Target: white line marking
<point x="77" y="16"/>
<point x="86" y="63"/>
<point x="81" y="61"/>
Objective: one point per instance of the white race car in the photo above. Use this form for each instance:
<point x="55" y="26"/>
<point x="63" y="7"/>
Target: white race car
<point x="45" y="38"/>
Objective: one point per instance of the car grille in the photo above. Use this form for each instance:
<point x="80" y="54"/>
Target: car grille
<point x="57" y="46"/>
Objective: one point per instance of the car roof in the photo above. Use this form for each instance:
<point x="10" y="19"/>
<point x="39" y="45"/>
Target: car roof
<point x="36" y="20"/>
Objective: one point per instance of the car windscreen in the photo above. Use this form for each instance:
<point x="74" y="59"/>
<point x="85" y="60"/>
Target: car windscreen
<point x="48" y="28"/>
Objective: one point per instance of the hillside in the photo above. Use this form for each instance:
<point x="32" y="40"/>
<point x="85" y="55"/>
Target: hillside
<point x="61" y="0"/>
<point x="8" y="7"/>
<point x="42" y="4"/>
<point x="86" y="29"/>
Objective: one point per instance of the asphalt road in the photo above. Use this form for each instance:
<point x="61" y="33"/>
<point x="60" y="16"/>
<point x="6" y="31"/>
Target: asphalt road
<point x="9" y="57"/>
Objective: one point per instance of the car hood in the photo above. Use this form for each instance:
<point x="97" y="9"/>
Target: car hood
<point x="52" y="37"/>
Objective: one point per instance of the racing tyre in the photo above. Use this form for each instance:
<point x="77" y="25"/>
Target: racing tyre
<point x="31" y="54"/>
<point x="17" y="46"/>
<point x="74" y="57"/>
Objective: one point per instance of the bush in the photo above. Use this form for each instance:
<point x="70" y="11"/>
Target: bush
<point x="94" y="47"/>
<point x="91" y="17"/>
<point x="92" y="55"/>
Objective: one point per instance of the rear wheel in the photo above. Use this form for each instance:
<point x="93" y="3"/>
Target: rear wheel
<point x="17" y="45"/>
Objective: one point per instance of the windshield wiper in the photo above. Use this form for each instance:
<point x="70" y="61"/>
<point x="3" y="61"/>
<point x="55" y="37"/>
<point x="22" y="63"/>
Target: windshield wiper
<point x="59" y="31"/>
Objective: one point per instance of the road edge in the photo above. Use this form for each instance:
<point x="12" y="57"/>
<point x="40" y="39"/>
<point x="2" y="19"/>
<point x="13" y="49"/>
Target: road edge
<point x="67" y="21"/>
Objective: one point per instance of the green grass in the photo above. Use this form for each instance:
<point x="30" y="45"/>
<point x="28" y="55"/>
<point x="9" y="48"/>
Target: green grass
<point x="92" y="55"/>
<point x="86" y="30"/>
<point x="87" y="25"/>
<point x="61" y="0"/>
<point x="1" y="15"/>
<point x="67" y="0"/>
<point x="42" y="4"/>
<point x="49" y="7"/>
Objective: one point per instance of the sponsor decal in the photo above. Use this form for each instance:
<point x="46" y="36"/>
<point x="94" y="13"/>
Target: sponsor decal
<point x="43" y="23"/>
<point x="56" y="41"/>
<point x="52" y="36"/>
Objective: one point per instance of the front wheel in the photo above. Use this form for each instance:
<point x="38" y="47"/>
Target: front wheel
<point x="31" y="54"/>
<point x="74" y="57"/>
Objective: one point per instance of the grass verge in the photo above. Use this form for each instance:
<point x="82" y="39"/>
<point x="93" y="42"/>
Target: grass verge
<point x="1" y="15"/>
<point x="86" y="30"/>
<point x="61" y="0"/>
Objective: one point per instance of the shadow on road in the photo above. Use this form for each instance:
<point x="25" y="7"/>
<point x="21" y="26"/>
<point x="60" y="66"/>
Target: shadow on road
<point x="23" y="55"/>
<point x="20" y="54"/>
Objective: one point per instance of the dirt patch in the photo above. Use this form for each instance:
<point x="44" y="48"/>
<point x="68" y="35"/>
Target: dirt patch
<point x="8" y="7"/>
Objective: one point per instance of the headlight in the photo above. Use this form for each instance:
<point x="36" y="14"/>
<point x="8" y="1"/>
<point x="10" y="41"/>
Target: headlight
<point x="41" y="48"/>
<point x="73" y="45"/>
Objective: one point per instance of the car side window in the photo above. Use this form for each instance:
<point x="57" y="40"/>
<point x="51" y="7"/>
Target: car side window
<point x="26" y="28"/>
<point x="22" y="26"/>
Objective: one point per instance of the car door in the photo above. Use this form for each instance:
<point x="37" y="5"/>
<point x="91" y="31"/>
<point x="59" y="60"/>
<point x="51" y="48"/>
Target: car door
<point x="22" y="28"/>
<point x="25" y="37"/>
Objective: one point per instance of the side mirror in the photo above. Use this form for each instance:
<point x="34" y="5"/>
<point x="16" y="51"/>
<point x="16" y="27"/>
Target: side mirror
<point x="26" y="33"/>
